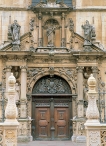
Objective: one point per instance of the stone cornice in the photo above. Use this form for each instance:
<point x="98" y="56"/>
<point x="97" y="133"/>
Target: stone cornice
<point x="13" y="8"/>
<point x="85" y="9"/>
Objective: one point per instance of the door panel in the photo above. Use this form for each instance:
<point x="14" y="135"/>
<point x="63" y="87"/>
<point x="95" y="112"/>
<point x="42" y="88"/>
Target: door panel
<point x="61" y="123"/>
<point x="42" y="122"/>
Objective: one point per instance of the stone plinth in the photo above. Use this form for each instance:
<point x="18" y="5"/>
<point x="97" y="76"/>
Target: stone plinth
<point x="9" y="127"/>
<point x="92" y="125"/>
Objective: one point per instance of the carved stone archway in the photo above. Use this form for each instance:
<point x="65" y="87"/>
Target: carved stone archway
<point x="51" y="108"/>
<point x="69" y="75"/>
<point x="51" y="85"/>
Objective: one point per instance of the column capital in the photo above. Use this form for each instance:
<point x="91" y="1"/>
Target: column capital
<point x="8" y="67"/>
<point x="63" y="16"/>
<point x="23" y="67"/>
<point x="79" y="69"/>
<point x="40" y="16"/>
<point x="95" y="69"/>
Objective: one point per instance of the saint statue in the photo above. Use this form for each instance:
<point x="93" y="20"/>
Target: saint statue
<point x="17" y="89"/>
<point x="15" y="32"/>
<point x="87" y="31"/>
<point x="51" y="35"/>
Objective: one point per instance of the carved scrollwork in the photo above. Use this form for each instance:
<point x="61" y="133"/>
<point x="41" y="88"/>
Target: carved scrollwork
<point x="103" y="138"/>
<point x="34" y="73"/>
<point x="51" y="85"/>
<point x="94" y="137"/>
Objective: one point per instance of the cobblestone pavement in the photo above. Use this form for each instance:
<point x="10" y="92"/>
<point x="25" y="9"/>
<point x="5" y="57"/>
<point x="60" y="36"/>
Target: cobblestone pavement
<point x="52" y="143"/>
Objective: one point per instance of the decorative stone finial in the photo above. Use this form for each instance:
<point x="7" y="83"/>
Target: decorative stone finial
<point x="92" y="84"/>
<point x="11" y="109"/>
<point x="92" y="112"/>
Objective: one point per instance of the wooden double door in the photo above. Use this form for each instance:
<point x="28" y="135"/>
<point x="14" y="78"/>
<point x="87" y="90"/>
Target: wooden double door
<point x="51" y="119"/>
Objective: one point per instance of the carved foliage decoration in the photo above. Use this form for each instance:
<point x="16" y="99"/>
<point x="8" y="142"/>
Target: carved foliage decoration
<point x="1" y="137"/>
<point x="51" y="85"/>
<point x="34" y="74"/>
<point x="103" y="138"/>
<point x="10" y="137"/>
<point x="94" y="138"/>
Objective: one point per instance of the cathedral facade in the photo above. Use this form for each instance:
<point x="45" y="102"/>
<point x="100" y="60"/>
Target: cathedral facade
<point x="52" y="47"/>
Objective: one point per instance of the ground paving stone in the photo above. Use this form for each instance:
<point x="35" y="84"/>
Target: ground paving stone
<point x="51" y="143"/>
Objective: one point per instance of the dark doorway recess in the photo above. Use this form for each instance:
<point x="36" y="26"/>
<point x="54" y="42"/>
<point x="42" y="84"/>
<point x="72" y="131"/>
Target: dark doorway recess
<point x="51" y="109"/>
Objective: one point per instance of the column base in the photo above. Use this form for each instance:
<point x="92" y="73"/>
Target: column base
<point x="81" y="139"/>
<point x="24" y="139"/>
<point x="73" y="138"/>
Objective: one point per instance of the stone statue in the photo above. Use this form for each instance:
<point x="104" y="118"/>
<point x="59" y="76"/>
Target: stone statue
<point x="15" y="31"/>
<point x="71" y="25"/>
<point x="89" y="33"/>
<point x="17" y="89"/>
<point x="51" y="35"/>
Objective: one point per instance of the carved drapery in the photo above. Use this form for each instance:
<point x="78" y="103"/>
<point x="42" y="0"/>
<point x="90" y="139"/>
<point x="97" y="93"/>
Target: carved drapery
<point x="51" y="85"/>
<point x="51" y="25"/>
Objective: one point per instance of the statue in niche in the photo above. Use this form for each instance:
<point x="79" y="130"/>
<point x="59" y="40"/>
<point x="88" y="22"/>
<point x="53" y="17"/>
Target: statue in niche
<point x="15" y="31"/>
<point x="89" y="33"/>
<point x="17" y="89"/>
<point x="51" y="25"/>
<point x="51" y="35"/>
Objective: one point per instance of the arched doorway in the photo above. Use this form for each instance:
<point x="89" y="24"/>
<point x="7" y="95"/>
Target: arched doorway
<point x="51" y="109"/>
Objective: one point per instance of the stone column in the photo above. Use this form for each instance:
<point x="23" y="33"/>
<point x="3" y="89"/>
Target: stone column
<point x="23" y="98"/>
<point x="80" y="91"/>
<point x="92" y="125"/>
<point x="8" y="73"/>
<point x="80" y="106"/>
<point x="63" y="41"/>
<point x="40" y="30"/>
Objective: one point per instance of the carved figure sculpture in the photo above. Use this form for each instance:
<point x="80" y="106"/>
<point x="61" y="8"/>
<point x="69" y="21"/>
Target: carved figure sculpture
<point x="15" y="31"/>
<point x="17" y="88"/>
<point x="51" y="35"/>
<point x="89" y="33"/>
<point x="71" y="25"/>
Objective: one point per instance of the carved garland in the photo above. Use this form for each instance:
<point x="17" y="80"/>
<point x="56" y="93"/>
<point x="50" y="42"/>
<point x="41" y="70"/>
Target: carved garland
<point x="70" y="75"/>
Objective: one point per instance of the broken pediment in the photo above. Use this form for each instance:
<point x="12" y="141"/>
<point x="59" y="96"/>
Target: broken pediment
<point x="24" y="45"/>
<point x="75" y="45"/>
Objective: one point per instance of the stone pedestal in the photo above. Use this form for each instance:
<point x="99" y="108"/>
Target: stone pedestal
<point x="92" y="125"/>
<point x="9" y="127"/>
<point x="15" y="47"/>
<point x="24" y="130"/>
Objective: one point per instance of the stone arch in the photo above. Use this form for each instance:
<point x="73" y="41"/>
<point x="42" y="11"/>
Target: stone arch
<point x="48" y="19"/>
<point x="51" y="85"/>
<point x="32" y="81"/>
